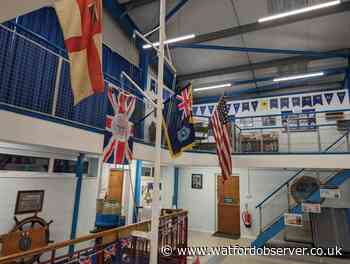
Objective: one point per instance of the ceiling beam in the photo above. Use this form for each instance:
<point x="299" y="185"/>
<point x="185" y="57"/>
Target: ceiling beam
<point x="123" y="19"/>
<point x="132" y="4"/>
<point x="256" y="26"/>
<point x="306" y="53"/>
<point x="250" y="67"/>
<point x="253" y="92"/>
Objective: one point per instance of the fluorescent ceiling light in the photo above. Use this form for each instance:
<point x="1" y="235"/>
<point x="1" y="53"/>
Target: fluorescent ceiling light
<point x="297" y="77"/>
<point x="299" y="11"/>
<point x="169" y="41"/>
<point x="213" y="87"/>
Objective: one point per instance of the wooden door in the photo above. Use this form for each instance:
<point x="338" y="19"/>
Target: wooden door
<point x="228" y="206"/>
<point x="115" y="186"/>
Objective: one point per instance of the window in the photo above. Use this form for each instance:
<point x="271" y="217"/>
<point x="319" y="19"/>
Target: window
<point x="23" y="163"/>
<point x="68" y="166"/>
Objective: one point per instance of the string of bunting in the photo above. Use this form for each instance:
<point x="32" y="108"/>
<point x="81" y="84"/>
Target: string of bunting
<point x="332" y="98"/>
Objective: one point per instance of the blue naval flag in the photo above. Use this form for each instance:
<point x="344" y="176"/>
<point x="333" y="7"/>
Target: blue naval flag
<point x="178" y="121"/>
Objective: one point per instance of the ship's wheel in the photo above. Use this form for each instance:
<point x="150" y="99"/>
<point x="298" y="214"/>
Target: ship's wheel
<point x="29" y="233"/>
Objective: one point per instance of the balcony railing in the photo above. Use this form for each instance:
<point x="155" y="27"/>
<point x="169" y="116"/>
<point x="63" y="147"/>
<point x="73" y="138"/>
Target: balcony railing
<point x="293" y="133"/>
<point x="34" y="77"/>
<point x="306" y="132"/>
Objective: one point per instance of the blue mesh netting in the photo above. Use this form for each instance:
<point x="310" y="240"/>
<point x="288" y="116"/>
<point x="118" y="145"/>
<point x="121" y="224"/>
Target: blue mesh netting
<point x="27" y="73"/>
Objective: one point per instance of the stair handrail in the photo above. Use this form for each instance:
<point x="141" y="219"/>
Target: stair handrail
<point x="115" y="232"/>
<point x="299" y="172"/>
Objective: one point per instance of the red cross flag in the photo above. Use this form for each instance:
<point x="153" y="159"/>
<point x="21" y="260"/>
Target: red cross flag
<point x="81" y="23"/>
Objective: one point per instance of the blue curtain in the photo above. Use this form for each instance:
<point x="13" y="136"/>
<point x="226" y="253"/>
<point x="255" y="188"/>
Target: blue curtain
<point x="43" y="22"/>
<point x="28" y="72"/>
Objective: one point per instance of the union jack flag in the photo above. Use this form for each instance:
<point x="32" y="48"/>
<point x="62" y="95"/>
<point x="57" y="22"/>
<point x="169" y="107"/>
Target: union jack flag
<point x="118" y="142"/>
<point x="185" y="104"/>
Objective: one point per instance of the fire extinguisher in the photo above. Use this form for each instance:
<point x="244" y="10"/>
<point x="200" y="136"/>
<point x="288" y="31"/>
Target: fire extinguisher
<point x="246" y="217"/>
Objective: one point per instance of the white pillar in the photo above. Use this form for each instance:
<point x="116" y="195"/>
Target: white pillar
<point x="156" y="192"/>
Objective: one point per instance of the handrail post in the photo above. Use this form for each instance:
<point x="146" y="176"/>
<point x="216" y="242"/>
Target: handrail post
<point x="57" y="86"/>
<point x="239" y="142"/>
<point x="288" y="199"/>
<point x="288" y="136"/>
<point x="319" y="139"/>
<point x="234" y="141"/>
<point x="261" y="141"/>
<point x="260" y="220"/>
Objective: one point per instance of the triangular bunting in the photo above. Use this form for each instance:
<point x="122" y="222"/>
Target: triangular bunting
<point x="194" y="110"/>
<point x="317" y="99"/>
<point x="255" y="105"/>
<point x="202" y="108"/>
<point x="236" y="106"/>
<point x="284" y="102"/>
<point x="264" y="105"/>
<point x="296" y="101"/>
<point x="341" y="96"/>
<point x="245" y="107"/>
<point x="273" y="103"/>
<point x="307" y="101"/>
<point x="329" y="97"/>
<point x="211" y="108"/>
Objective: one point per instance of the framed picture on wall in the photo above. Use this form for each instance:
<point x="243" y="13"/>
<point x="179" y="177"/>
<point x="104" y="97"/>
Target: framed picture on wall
<point x="29" y="201"/>
<point x="197" y="181"/>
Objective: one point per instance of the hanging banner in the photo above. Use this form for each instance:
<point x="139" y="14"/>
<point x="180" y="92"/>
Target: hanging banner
<point x="296" y="101"/>
<point x="284" y="102"/>
<point x="329" y="97"/>
<point x="245" y="107"/>
<point x="307" y="101"/>
<point x="194" y="109"/>
<point x="341" y="96"/>
<point x="229" y="107"/>
<point x="255" y="105"/>
<point x="264" y="105"/>
<point x="211" y="108"/>
<point x="317" y="99"/>
<point x="236" y="106"/>
<point x="118" y="140"/>
<point x="202" y="108"/>
<point x="274" y="103"/>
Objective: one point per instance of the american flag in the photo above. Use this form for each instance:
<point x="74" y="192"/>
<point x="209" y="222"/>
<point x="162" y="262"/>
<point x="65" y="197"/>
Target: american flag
<point x="219" y="122"/>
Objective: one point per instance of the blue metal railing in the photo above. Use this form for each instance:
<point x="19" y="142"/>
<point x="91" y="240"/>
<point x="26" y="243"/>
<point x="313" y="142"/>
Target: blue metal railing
<point x="297" y="174"/>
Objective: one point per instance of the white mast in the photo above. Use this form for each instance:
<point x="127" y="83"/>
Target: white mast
<point x="156" y="191"/>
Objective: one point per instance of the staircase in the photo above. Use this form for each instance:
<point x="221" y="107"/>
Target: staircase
<point x="333" y="179"/>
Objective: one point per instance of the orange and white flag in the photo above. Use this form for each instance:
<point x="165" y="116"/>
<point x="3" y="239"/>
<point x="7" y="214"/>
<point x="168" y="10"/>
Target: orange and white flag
<point x="81" y="23"/>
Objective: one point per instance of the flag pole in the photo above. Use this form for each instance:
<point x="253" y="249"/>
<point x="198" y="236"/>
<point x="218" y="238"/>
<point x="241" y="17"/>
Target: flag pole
<point x="156" y="191"/>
